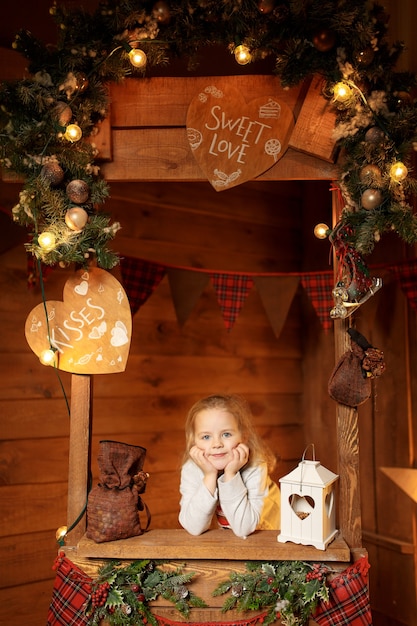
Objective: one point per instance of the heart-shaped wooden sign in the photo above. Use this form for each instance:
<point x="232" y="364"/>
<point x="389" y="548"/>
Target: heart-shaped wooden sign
<point x="234" y="141"/>
<point x="90" y="330"/>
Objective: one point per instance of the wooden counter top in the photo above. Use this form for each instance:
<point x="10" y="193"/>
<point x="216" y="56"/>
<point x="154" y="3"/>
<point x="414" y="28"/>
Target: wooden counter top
<point x="213" y="545"/>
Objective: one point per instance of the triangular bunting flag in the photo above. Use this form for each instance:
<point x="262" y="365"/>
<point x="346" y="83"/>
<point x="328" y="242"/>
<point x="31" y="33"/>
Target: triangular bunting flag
<point x="406" y="273"/>
<point x="140" y="279"/>
<point x="186" y="287"/>
<point x="319" y="288"/>
<point x="277" y="294"/>
<point x="232" y="291"/>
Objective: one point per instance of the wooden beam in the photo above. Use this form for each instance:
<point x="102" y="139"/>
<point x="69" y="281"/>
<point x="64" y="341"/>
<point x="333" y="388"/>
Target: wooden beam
<point x="79" y="454"/>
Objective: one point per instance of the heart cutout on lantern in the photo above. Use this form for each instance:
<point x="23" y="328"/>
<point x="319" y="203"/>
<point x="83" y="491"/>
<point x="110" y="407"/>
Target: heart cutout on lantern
<point x="302" y="506"/>
<point x="90" y="329"/>
<point x="234" y="141"/>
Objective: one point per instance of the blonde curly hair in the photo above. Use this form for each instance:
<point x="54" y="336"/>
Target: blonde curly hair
<point x="259" y="452"/>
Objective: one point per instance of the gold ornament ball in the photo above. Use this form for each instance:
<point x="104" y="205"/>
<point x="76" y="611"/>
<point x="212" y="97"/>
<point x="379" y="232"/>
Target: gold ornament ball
<point x="370" y="173"/>
<point x="76" y="218"/>
<point x="374" y="135"/>
<point x="53" y="173"/>
<point x="324" y="40"/>
<point x="78" y="191"/>
<point x="63" y="113"/>
<point x="371" y="199"/>
<point x="402" y="99"/>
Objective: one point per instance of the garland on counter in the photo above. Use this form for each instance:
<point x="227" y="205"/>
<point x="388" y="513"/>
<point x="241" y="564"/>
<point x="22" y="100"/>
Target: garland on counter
<point x="48" y="120"/>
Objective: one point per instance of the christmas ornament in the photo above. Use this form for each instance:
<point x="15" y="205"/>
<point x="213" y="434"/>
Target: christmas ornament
<point x="81" y="82"/>
<point x="78" y="191"/>
<point x="374" y="135"/>
<point x="266" y="6"/>
<point x="76" y="218"/>
<point x="53" y="173"/>
<point x="402" y="98"/>
<point x="161" y="12"/>
<point x="62" y="112"/>
<point x="324" y="40"/>
<point x="364" y="57"/>
<point x="369" y="174"/>
<point x="371" y="198"/>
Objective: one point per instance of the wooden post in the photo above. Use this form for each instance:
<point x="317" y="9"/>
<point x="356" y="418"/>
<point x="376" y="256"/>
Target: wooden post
<point x="350" y="521"/>
<point x="79" y="454"/>
<point x="347" y="430"/>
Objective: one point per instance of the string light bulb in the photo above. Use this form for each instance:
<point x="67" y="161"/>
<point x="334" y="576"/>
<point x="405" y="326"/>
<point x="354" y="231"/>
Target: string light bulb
<point x="48" y="357"/>
<point x="60" y="534"/>
<point x="321" y="231"/>
<point x="73" y="133"/>
<point x="398" y="172"/>
<point x="242" y="54"/>
<point x="342" y="92"/>
<point x="137" y="57"/>
<point x="47" y="241"/>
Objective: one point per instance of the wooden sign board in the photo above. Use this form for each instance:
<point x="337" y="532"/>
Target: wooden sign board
<point x="234" y="141"/>
<point x="90" y="329"/>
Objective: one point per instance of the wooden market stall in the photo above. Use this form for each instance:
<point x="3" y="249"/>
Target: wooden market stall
<point x="145" y="139"/>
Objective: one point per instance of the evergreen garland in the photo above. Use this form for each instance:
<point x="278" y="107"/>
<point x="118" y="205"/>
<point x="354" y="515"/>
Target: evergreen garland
<point x="120" y="594"/>
<point x="341" y="41"/>
<point x="287" y="590"/>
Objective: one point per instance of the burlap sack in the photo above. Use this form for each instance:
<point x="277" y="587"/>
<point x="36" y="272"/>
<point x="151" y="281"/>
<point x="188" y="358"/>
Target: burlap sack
<point x="113" y="505"/>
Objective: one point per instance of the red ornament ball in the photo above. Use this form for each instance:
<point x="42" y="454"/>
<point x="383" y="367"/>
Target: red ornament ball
<point x="161" y="12"/>
<point x="371" y="199"/>
<point x="78" y="191"/>
<point x="53" y="173"/>
<point x="76" y="218"/>
<point x="324" y="40"/>
<point x="266" y="6"/>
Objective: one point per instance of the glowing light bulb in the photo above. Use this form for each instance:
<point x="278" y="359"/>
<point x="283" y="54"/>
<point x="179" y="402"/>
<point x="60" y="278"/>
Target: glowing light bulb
<point x="398" y="171"/>
<point x="137" y="57"/>
<point x="342" y="92"/>
<point x="321" y="231"/>
<point x="48" y="357"/>
<point x="61" y="533"/>
<point x="47" y="241"/>
<point x="73" y="132"/>
<point x="242" y="55"/>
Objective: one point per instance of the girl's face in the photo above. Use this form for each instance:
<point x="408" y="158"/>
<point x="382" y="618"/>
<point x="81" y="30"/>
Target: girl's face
<point x="216" y="433"/>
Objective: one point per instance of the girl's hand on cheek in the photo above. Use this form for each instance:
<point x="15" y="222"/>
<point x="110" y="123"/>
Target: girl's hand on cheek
<point x="197" y="455"/>
<point x="240" y="458"/>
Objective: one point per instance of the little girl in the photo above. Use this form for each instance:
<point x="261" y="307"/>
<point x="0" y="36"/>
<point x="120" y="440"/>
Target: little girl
<point x="226" y="470"/>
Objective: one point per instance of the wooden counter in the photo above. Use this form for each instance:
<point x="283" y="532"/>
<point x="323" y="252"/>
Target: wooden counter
<point x="216" y="544"/>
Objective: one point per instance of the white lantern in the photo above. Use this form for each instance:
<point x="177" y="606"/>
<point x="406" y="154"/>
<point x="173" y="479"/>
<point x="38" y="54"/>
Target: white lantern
<point x="308" y="514"/>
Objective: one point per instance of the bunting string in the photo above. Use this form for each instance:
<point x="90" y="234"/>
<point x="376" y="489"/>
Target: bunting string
<point x="141" y="277"/>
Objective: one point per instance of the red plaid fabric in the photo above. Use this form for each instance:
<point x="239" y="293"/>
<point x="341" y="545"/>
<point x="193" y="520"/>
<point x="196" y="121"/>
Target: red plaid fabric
<point x="349" y="598"/>
<point x="140" y="279"/>
<point x="319" y="288"/>
<point x="72" y="589"/>
<point x="232" y="291"/>
<point x="406" y="274"/>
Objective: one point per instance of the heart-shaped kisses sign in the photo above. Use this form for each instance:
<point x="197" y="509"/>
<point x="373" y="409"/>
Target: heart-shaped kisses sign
<point x="234" y="141"/>
<point x="90" y="330"/>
